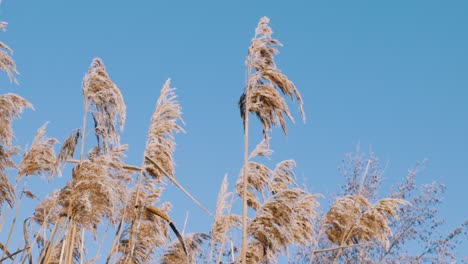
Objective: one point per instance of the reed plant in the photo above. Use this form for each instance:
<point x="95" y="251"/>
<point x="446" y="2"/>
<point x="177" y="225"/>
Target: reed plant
<point x="122" y="205"/>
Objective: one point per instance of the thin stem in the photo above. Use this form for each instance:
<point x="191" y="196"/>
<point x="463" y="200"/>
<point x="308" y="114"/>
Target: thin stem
<point x="96" y="257"/>
<point x="83" y="134"/>
<point x="114" y="241"/>
<point x="185" y="223"/>
<point x="363" y="178"/>
<point x="14" y="219"/>
<point x="64" y="242"/>
<point x="4" y="216"/>
<point x="339" y="248"/>
<point x="71" y="242"/>
<point x="82" y="246"/>
<point x="244" y="169"/>
<point x="14" y="254"/>
<point x="125" y="166"/>
<point x="136" y="205"/>
<point x="176" y="183"/>
<point x="48" y="247"/>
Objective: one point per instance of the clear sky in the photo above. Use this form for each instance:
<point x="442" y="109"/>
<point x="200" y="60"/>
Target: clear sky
<point x="391" y="76"/>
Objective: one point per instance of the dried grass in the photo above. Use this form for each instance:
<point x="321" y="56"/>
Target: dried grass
<point x="48" y="210"/>
<point x="11" y="106"/>
<point x="109" y="105"/>
<point x="264" y="79"/>
<point x="353" y="219"/>
<point x="223" y="220"/>
<point x="6" y="62"/>
<point x="7" y="192"/>
<point x="67" y="149"/>
<point x="96" y="190"/>
<point x="176" y="254"/>
<point x="40" y="159"/>
<point x="151" y="233"/>
<point x="160" y="140"/>
<point x="283" y="220"/>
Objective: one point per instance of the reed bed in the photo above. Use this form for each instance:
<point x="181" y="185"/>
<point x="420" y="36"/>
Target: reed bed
<point x="102" y="192"/>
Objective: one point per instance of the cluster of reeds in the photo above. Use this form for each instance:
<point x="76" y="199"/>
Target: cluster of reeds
<point x="101" y="189"/>
<point x="104" y="194"/>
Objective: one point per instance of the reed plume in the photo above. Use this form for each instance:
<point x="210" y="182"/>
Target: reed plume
<point x="265" y="80"/>
<point x="176" y="254"/>
<point x="48" y="210"/>
<point x="40" y="158"/>
<point x="353" y="219"/>
<point x="283" y="220"/>
<point x="67" y="149"/>
<point x="223" y="220"/>
<point x="151" y="233"/>
<point x="7" y="192"/>
<point x="11" y="106"/>
<point x="109" y="107"/>
<point x="261" y="97"/>
<point x="6" y="62"/>
<point x="96" y="190"/>
<point x="160" y="143"/>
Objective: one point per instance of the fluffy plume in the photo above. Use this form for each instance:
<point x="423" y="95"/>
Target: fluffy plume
<point x="48" y="210"/>
<point x="68" y="149"/>
<point x="40" y="159"/>
<point x="109" y="105"/>
<point x="264" y="81"/>
<point x="151" y="233"/>
<point x="261" y="150"/>
<point x="223" y="222"/>
<point x="57" y="251"/>
<point x="283" y="176"/>
<point x="7" y="192"/>
<point x="353" y="219"/>
<point x="176" y="254"/>
<point x="6" y="62"/>
<point x="258" y="177"/>
<point x="95" y="191"/>
<point x="285" y="219"/>
<point x="11" y="106"/>
<point x="160" y="141"/>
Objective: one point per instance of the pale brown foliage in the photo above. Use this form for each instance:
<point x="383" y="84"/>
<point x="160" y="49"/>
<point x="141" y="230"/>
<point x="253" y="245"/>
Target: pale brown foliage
<point x="48" y="210"/>
<point x="105" y="96"/>
<point x="40" y="159"/>
<point x="264" y="79"/>
<point x="160" y="140"/>
<point x="7" y="192"/>
<point x="223" y="221"/>
<point x="283" y="220"/>
<point x="151" y="233"/>
<point x="11" y="106"/>
<point x="6" y="62"/>
<point x="68" y="149"/>
<point x="57" y="256"/>
<point x="176" y="254"/>
<point x="353" y="218"/>
<point x="96" y="190"/>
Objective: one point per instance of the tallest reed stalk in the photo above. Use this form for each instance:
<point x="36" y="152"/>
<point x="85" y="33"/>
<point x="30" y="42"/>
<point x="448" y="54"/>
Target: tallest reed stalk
<point x="245" y="167"/>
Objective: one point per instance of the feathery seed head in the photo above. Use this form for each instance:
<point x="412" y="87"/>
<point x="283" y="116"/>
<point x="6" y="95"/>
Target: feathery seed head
<point x="40" y="159"/>
<point x="160" y="141"/>
<point x="11" y="106"/>
<point x="105" y="96"/>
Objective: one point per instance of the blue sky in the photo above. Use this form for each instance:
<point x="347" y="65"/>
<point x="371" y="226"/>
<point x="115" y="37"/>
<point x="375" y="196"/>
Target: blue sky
<point x="391" y="76"/>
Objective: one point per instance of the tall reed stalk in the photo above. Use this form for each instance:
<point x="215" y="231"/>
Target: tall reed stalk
<point x="261" y="97"/>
